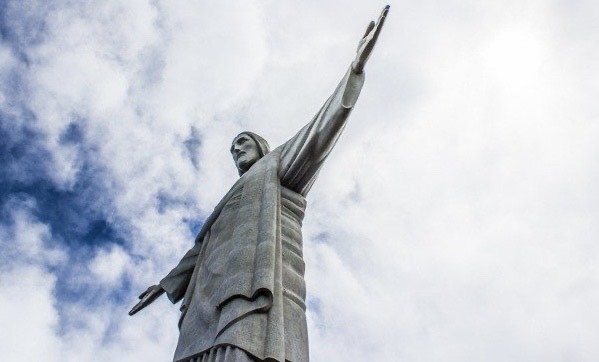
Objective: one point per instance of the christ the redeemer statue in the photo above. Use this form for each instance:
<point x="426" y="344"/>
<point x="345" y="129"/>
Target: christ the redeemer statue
<point x="242" y="283"/>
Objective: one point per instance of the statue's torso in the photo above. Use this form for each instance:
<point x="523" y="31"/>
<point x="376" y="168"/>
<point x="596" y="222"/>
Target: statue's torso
<point x="251" y="331"/>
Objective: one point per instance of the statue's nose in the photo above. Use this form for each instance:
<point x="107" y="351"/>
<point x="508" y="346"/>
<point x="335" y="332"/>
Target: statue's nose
<point x="237" y="149"/>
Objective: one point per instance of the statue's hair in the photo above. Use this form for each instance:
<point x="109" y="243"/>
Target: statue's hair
<point x="263" y="147"/>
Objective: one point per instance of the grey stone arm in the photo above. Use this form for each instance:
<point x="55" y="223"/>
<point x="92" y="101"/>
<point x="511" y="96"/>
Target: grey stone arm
<point x="176" y="282"/>
<point x="303" y="155"/>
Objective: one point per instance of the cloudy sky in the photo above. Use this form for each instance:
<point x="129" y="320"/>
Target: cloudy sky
<point x="456" y="219"/>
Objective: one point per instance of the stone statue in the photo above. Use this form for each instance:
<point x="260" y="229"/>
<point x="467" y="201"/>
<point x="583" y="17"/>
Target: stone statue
<point x="242" y="283"/>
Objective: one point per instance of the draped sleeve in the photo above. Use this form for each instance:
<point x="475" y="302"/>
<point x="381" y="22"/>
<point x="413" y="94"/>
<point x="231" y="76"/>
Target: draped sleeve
<point x="303" y="155"/>
<point x="176" y="282"/>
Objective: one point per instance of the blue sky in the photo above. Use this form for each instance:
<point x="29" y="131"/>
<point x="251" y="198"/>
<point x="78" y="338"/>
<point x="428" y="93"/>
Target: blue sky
<point x="455" y="221"/>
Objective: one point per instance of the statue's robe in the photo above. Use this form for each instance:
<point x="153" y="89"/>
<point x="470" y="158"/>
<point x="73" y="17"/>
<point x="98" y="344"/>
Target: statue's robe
<point x="242" y="283"/>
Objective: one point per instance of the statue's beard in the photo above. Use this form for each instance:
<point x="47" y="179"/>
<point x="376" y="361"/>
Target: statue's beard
<point x="244" y="164"/>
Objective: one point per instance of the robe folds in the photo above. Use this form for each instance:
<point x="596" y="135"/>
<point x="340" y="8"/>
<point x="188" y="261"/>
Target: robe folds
<point x="242" y="283"/>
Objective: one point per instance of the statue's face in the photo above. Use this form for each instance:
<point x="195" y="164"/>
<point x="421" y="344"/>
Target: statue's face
<point x="245" y="152"/>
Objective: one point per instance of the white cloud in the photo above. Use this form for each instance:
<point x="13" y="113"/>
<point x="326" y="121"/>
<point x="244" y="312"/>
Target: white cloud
<point x="27" y="310"/>
<point x="26" y="239"/>
<point x="29" y="320"/>
<point x="108" y="266"/>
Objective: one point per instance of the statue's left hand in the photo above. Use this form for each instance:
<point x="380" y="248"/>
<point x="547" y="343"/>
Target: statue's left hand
<point x="367" y="43"/>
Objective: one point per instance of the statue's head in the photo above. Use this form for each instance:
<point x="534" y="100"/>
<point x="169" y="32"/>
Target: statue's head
<point x="246" y="149"/>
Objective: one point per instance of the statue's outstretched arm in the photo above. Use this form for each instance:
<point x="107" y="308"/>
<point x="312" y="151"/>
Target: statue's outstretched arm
<point x="174" y="284"/>
<point x="303" y="155"/>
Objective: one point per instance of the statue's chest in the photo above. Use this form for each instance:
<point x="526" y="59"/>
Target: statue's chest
<point x="228" y="218"/>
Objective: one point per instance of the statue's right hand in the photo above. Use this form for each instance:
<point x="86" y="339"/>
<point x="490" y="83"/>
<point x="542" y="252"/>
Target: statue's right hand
<point x="147" y="297"/>
<point x="368" y="40"/>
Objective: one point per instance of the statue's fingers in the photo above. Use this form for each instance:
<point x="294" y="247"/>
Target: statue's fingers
<point x="136" y="308"/>
<point x="146" y="292"/>
<point x="382" y="17"/>
<point x="384" y="11"/>
<point x="369" y="28"/>
<point x="381" y="21"/>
